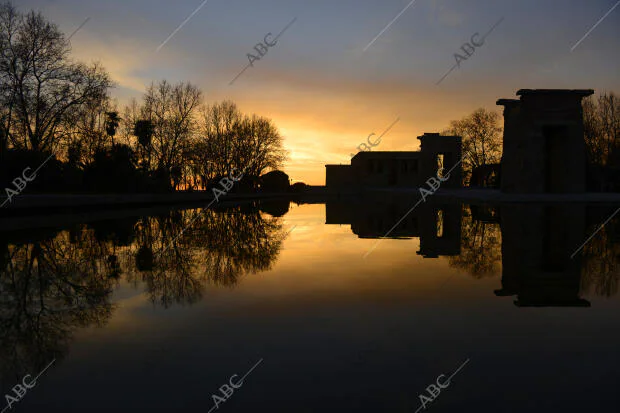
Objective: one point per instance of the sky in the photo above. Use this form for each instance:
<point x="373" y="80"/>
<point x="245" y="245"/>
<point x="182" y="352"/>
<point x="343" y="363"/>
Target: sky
<point x="344" y="69"/>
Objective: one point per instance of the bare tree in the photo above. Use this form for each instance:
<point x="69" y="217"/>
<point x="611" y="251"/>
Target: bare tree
<point x="232" y="142"/>
<point x="482" y="139"/>
<point x="172" y="110"/>
<point x="216" y="145"/>
<point x="602" y="128"/>
<point x="9" y="22"/>
<point x="592" y="132"/>
<point x="85" y="129"/>
<point x="41" y="83"/>
<point x="601" y="118"/>
<point x="265" y="145"/>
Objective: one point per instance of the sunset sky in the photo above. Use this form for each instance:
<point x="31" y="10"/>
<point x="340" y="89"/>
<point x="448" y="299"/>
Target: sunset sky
<point x="324" y="92"/>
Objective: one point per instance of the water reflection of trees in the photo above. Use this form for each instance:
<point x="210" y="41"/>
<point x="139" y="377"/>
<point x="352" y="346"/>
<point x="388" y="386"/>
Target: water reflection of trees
<point x="481" y="245"/>
<point x="601" y="261"/>
<point x="55" y="282"/>
<point x="161" y="261"/>
<point x="176" y="256"/>
<point x="48" y="288"/>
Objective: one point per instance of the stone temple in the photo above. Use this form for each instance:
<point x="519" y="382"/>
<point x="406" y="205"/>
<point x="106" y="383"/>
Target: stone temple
<point x="544" y="148"/>
<point x="544" y="151"/>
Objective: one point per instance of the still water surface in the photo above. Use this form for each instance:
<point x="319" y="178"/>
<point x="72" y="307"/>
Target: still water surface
<point x="156" y="312"/>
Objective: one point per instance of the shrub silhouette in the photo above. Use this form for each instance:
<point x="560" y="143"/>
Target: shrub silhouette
<point x="274" y="181"/>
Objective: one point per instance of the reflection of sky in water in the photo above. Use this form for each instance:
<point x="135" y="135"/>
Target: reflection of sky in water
<point x="341" y="333"/>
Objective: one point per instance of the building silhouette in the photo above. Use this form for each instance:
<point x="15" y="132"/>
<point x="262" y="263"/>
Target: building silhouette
<point x="544" y="148"/>
<point x="400" y="169"/>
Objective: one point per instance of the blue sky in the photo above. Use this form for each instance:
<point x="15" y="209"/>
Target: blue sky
<point x="318" y="84"/>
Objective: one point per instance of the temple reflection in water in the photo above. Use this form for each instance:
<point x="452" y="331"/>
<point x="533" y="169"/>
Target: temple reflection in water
<point x="437" y="225"/>
<point x="537" y="242"/>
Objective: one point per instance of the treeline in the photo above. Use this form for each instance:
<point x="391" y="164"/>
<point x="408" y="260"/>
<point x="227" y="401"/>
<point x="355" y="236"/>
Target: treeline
<point x="54" y="107"/>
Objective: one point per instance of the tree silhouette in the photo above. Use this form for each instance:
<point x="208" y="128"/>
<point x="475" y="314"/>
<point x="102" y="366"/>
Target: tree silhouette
<point x="111" y="124"/>
<point x="482" y="140"/>
<point x="172" y="110"/>
<point x="35" y="58"/>
<point x="143" y="130"/>
<point x="601" y="118"/>
<point x="275" y="181"/>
